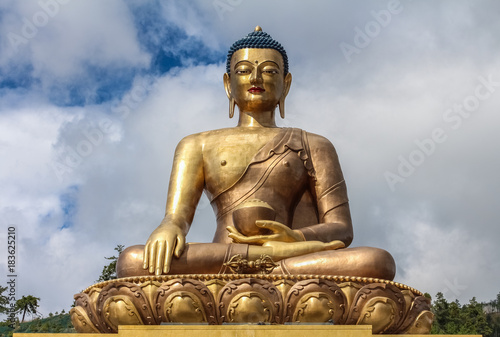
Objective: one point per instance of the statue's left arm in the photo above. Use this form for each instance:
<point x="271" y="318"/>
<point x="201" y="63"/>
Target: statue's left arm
<point x="328" y="189"/>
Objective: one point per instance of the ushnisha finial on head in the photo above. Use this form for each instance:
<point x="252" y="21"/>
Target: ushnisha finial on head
<point x="258" y="29"/>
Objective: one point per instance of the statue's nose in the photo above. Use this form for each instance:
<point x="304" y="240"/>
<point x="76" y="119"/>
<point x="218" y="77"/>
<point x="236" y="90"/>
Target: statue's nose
<point x="256" y="76"/>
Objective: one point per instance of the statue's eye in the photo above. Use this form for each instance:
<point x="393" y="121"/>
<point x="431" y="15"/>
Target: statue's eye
<point x="242" y="71"/>
<point x="270" y="71"/>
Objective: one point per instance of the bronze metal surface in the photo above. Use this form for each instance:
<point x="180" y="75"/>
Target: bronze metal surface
<point x="281" y="207"/>
<point x="246" y="215"/>
<point x="294" y="173"/>
<point x="387" y="306"/>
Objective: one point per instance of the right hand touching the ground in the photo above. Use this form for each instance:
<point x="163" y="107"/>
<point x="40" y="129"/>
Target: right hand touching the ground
<point x="165" y="242"/>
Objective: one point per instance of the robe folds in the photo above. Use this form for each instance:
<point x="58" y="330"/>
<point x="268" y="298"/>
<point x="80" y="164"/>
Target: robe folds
<point x="283" y="174"/>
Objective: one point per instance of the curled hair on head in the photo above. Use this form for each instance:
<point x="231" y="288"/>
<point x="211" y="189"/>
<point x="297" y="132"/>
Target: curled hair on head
<point x="257" y="39"/>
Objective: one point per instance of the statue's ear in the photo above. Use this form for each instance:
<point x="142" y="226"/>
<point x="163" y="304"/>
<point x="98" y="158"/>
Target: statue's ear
<point x="286" y="87"/>
<point x="287" y="84"/>
<point x="227" y="85"/>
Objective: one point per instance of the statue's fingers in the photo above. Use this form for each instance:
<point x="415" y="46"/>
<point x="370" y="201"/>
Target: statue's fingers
<point x="236" y="237"/>
<point x="160" y="257"/>
<point x="169" y="252"/>
<point x="151" y="257"/>
<point x="232" y="230"/>
<point x="274" y="226"/>
<point x="254" y="240"/>
<point x="179" y="247"/>
<point x="145" y="257"/>
<point x="335" y="245"/>
<point x="258" y="240"/>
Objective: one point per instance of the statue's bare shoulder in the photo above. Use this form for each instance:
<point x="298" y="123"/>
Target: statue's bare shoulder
<point x="319" y="143"/>
<point x="205" y="138"/>
<point x="246" y="140"/>
<point x="194" y="145"/>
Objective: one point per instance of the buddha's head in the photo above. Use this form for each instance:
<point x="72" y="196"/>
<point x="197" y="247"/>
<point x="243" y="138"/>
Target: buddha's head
<point x="257" y="77"/>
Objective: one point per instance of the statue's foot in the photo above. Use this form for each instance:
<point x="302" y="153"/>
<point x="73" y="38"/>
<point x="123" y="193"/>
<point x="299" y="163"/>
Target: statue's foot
<point x="360" y="261"/>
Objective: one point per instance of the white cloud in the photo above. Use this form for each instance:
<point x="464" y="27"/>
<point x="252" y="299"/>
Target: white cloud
<point x="440" y="223"/>
<point x="57" y="44"/>
<point x="447" y="260"/>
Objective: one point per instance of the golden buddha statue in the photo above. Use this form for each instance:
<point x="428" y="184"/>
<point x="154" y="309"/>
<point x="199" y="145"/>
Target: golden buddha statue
<point x="293" y="173"/>
<point x="279" y="253"/>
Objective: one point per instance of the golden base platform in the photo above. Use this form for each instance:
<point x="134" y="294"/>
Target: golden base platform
<point x="389" y="307"/>
<point x="236" y="330"/>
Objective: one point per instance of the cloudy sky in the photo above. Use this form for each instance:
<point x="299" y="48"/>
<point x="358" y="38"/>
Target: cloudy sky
<point x="94" y="96"/>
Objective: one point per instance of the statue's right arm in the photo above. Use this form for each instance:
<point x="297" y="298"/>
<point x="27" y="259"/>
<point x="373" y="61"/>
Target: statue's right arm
<point x="184" y="192"/>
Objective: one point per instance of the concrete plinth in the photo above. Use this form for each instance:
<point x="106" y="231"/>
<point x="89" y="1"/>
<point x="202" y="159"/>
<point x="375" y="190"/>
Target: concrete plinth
<point x="236" y="331"/>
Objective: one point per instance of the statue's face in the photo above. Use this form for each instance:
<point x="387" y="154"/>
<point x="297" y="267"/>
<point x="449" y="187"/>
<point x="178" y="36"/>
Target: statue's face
<point x="257" y="80"/>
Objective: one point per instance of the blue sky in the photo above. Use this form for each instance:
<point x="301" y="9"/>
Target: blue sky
<point x="166" y="45"/>
<point x="95" y="96"/>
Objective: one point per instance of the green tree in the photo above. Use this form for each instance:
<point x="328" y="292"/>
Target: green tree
<point x="454" y="319"/>
<point x="474" y="320"/>
<point x="451" y="318"/>
<point x="27" y="304"/>
<point x="493" y="320"/>
<point x="44" y="328"/>
<point x="4" y="301"/>
<point x="440" y="308"/>
<point x="109" y="271"/>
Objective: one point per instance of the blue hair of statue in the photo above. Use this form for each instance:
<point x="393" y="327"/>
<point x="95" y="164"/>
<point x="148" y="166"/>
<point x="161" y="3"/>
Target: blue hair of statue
<point x="257" y="39"/>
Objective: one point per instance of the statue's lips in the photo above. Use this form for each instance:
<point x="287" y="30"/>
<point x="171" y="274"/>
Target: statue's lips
<point x="255" y="90"/>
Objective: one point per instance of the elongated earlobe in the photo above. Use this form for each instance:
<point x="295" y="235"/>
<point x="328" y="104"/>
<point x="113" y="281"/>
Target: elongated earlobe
<point x="232" y="104"/>
<point x="281" y="102"/>
<point x="281" y="107"/>
<point x="232" y="101"/>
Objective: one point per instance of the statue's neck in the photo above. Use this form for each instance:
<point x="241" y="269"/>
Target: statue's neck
<point x="257" y="119"/>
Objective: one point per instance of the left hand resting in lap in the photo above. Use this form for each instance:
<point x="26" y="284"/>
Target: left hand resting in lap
<point x="279" y="232"/>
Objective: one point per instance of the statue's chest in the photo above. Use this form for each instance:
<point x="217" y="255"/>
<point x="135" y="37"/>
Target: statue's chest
<point x="227" y="160"/>
<point x="225" y="164"/>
